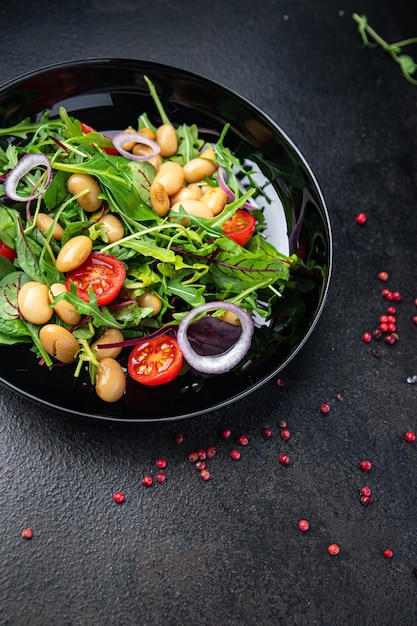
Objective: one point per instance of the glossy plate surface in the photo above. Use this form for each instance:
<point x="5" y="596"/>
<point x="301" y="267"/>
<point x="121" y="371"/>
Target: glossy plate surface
<point x="110" y="94"/>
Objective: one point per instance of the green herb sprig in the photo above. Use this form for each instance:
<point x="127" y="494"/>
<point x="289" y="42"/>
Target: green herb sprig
<point x="406" y="62"/>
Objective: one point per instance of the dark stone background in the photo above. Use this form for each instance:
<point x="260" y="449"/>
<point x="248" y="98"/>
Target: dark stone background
<point x="229" y="551"/>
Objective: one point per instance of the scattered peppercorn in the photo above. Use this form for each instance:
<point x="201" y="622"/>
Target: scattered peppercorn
<point x="285" y="434"/>
<point x="333" y="548"/>
<point x="193" y="457"/>
<point x="365" y="465"/>
<point x="118" y="497"/>
<point x="325" y="408"/>
<point x="243" y="440"/>
<point x="361" y="218"/>
<point x="303" y="525"/>
<point x="388" y="554"/>
<point x="179" y="438"/>
<point x="210" y="452"/>
<point x="410" y="435"/>
<point x="367" y="337"/>
<point x="202" y="455"/>
<point x="282" y="424"/>
<point x="147" y="481"/>
<point x="284" y="459"/>
<point x="281" y="382"/>
<point x="161" y="463"/>
<point x="383" y="276"/>
<point x="225" y="433"/>
<point x="366" y="491"/>
<point x="27" y="533"/>
<point x="205" y="474"/>
<point x="267" y="433"/>
<point x="366" y="500"/>
<point x="235" y="454"/>
<point x="160" y="478"/>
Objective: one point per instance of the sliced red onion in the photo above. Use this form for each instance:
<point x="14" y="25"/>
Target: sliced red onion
<point x="217" y="363"/>
<point x="27" y="163"/>
<point x="120" y="139"/>
<point x="221" y="172"/>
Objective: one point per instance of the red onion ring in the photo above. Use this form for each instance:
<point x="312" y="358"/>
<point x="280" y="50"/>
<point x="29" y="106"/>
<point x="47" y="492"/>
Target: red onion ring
<point x="217" y="363"/>
<point x="125" y="137"/>
<point x="222" y="183"/>
<point x="27" y="163"/>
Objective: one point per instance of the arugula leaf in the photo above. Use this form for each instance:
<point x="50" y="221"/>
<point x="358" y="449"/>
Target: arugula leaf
<point x="100" y="316"/>
<point x="8" y="228"/>
<point x="189" y="143"/>
<point x="115" y="178"/>
<point x="148" y="247"/>
<point x="57" y="190"/>
<point x="192" y="294"/>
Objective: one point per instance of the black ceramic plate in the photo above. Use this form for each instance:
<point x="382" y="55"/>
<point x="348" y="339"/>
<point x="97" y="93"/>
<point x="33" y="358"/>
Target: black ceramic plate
<point x="109" y="94"/>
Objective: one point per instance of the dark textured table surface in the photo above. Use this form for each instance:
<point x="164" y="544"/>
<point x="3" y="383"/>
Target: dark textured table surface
<point x="229" y="551"/>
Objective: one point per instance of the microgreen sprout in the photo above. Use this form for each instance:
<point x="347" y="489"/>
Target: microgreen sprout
<point x="406" y="62"/>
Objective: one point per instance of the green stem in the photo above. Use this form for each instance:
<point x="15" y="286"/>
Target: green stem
<point x="135" y="235"/>
<point x="394" y="49"/>
<point x="164" y="117"/>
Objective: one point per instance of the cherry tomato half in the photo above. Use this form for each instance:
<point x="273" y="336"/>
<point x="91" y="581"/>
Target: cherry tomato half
<point x="89" y="129"/>
<point x="103" y="272"/>
<point x="240" y="227"/>
<point x="155" y="361"/>
<point x="7" y="252"/>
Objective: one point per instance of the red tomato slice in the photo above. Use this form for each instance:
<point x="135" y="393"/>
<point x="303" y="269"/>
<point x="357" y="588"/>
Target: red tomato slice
<point x="103" y="272"/>
<point x="240" y="227"/>
<point x="89" y="129"/>
<point x="7" y="252"/>
<point x="155" y="361"/>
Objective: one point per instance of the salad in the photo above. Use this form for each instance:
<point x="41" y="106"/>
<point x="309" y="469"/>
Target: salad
<point x="145" y="244"/>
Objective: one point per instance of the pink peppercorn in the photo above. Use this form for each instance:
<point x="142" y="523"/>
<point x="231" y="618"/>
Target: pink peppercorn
<point x="303" y="525"/>
<point x="383" y="276"/>
<point x="325" y="408"/>
<point x="388" y="554"/>
<point x="160" y="478"/>
<point x="235" y="454"/>
<point x="243" y="440"/>
<point x="410" y="435"/>
<point x="205" y="474"/>
<point x="267" y="433"/>
<point x="365" y="465"/>
<point x="333" y="548"/>
<point x="361" y="218"/>
<point x="284" y="459"/>
<point x="285" y="434"/>
<point x="147" y="481"/>
<point x="210" y="452"/>
<point x="118" y="497"/>
<point x="225" y="433"/>
<point x="27" y="533"/>
<point x="193" y="457"/>
<point x="161" y="463"/>
<point x="367" y="337"/>
<point x="178" y="438"/>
